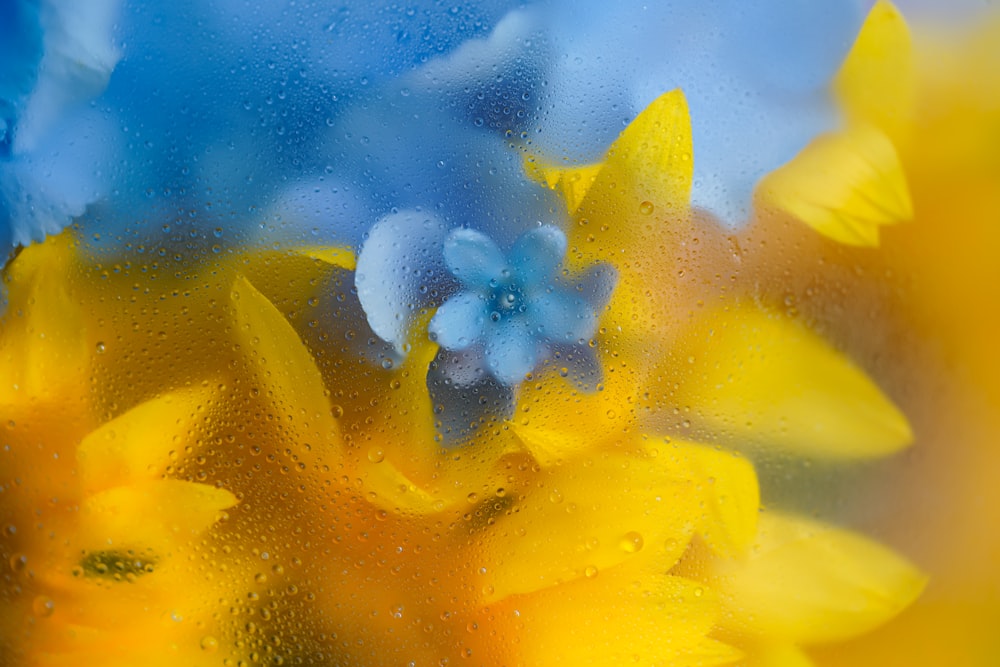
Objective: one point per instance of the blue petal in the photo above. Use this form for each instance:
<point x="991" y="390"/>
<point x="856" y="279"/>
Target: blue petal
<point x="473" y="258"/>
<point x="560" y="318"/>
<point x="322" y="209"/>
<point x="41" y="192"/>
<point x="20" y="52"/>
<point x="597" y="284"/>
<point x="459" y="322"/>
<point x="399" y="268"/>
<point x="79" y="54"/>
<point x="511" y="350"/>
<point x="537" y="254"/>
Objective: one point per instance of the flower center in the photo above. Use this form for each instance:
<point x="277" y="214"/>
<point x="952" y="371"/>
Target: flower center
<point x="506" y="300"/>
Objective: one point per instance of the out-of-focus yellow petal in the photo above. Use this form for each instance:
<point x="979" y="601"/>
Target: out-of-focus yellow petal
<point x="283" y="365"/>
<point x="844" y="185"/>
<point x="157" y="516"/>
<point x="556" y="421"/>
<point x="778" y="655"/>
<point x="574" y="522"/>
<point x="335" y="256"/>
<point x="571" y="182"/>
<point x="759" y="377"/>
<point x="44" y="345"/>
<point x="731" y="496"/>
<point x="615" y="619"/>
<point x="876" y="83"/>
<point x="806" y="582"/>
<point x="137" y="444"/>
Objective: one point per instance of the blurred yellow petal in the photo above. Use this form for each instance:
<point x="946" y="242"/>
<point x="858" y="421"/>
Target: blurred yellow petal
<point x="159" y="515"/>
<point x="44" y="347"/>
<point x="807" y="582"/>
<point x="283" y="365"/>
<point x="759" y="377"/>
<point x="845" y="185"/>
<point x="612" y="619"/>
<point x="574" y="522"/>
<point x="778" y="655"/>
<point x="570" y="182"/>
<point x="557" y="421"/>
<point x="876" y="83"/>
<point x="335" y="256"/>
<point x="137" y="444"/>
<point x="731" y="494"/>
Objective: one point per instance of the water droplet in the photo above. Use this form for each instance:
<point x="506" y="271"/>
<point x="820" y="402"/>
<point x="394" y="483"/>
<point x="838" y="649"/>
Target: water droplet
<point x="631" y="542"/>
<point x="387" y="364"/>
<point x="43" y="606"/>
<point x="646" y="207"/>
<point x="590" y="572"/>
<point x="100" y="348"/>
<point x="555" y="496"/>
<point x="209" y="644"/>
<point x="18" y="562"/>
<point x="376" y="455"/>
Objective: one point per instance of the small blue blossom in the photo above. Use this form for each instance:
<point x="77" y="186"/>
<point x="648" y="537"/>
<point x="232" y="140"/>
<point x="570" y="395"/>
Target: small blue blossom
<point x="510" y="307"/>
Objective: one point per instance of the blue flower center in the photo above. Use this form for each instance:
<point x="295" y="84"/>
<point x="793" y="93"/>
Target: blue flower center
<point x="505" y="300"/>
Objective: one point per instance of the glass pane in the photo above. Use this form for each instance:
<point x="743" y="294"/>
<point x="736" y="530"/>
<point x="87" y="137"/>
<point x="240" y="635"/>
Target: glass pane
<point x="499" y="333"/>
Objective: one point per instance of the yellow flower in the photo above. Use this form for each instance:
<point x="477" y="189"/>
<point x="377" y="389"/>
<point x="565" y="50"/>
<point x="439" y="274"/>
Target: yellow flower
<point x="98" y="541"/>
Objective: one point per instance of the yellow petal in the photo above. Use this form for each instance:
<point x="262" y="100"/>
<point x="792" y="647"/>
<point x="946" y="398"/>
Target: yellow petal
<point x="778" y="655"/>
<point x="731" y="495"/>
<point x="556" y="421"/>
<point x="571" y="182"/>
<point x="157" y="516"/>
<point x="844" y="185"/>
<point x="759" y="377"/>
<point x="634" y="217"/>
<point x="806" y="582"/>
<point x="137" y="444"/>
<point x="44" y="346"/>
<point x="574" y="522"/>
<point x="335" y="256"/>
<point x="646" y="175"/>
<point x="615" y="619"/>
<point x="877" y="80"/>
<point x="655" y="152"/>
<point x="282" y="365"/>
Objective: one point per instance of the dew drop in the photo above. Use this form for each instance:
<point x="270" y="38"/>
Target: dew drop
<point x="631" y="542"/>
<point x="18" y="562"/>
<point x="43" y="606"/>
<point x="209" y="644"/>
<point x="646" y="207"/>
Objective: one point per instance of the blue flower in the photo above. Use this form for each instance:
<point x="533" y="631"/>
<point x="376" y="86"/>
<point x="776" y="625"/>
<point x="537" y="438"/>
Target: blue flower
<point x="55" y="56"/>
<point x="511" y="307"/>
